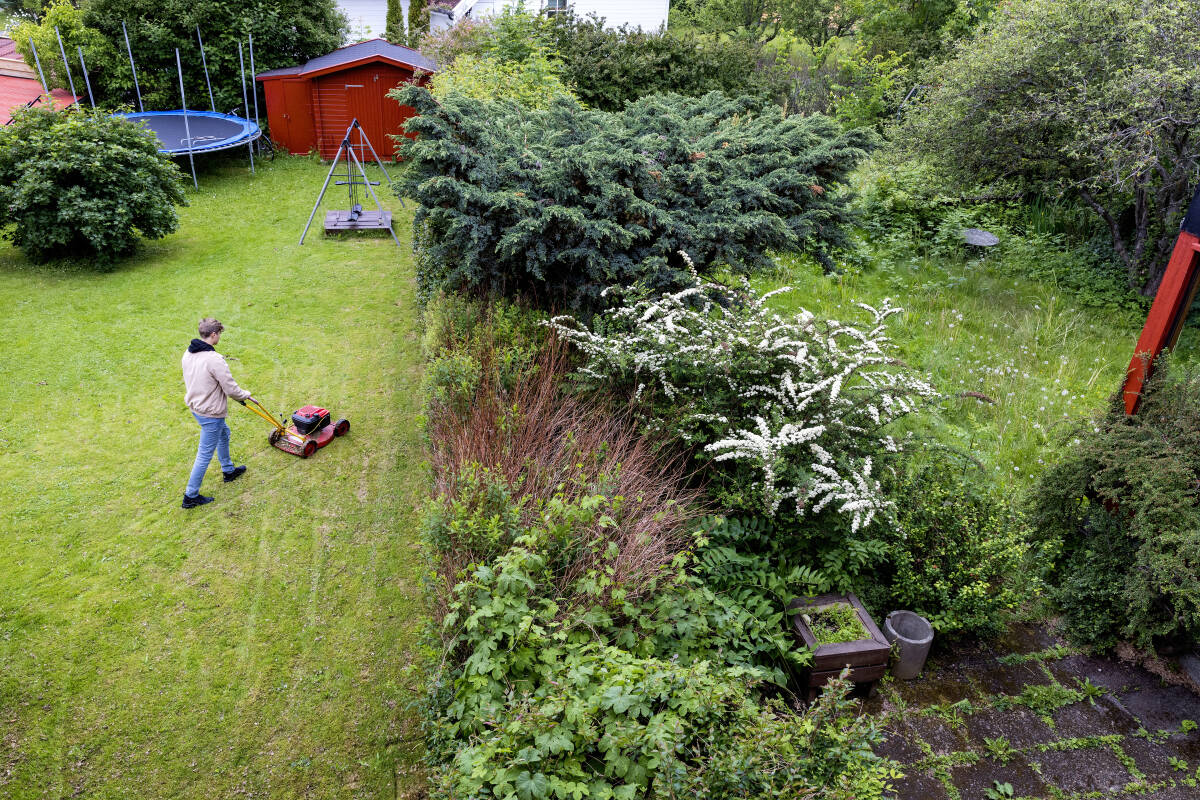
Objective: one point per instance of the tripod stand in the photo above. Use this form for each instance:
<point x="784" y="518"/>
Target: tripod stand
<point x="355" y="218"/>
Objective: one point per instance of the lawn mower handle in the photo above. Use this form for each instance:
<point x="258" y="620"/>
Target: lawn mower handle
<point x="259" y="409"/>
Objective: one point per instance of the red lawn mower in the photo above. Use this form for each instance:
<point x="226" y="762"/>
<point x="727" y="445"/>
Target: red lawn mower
<point x="311" y="429"/>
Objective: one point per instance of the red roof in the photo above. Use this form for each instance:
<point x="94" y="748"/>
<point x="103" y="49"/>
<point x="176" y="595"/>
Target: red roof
<point x="370" y="50"/>
<point x="19" y="85"/>
<point x="17" y="92"/>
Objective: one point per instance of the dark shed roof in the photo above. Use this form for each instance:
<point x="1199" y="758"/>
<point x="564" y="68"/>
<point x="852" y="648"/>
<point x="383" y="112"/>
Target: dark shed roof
<point x="363" y="51"/>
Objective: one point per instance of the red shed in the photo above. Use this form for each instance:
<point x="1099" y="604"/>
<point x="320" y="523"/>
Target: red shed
<point x="310" y="106"/>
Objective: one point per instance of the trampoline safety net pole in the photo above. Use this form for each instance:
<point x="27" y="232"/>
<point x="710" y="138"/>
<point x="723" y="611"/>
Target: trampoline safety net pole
<point x="253" y="81"/>
<point x="204" y="60"/>
<point x="187" y="131"/>
<point x="245" y="102"/>
<point x="86" y="80"/>
<point x="132" y="68"/>
<point x="38" y="61"/>
<point x="67" y="65"/>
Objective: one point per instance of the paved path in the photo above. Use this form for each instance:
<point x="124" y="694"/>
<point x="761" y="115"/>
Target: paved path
<point x="1048" y="722"/>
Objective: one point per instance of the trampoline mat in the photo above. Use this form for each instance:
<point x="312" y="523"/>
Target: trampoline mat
<point x="204" y="130"/>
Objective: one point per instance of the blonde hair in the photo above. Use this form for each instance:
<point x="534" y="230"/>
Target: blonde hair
<point x="209" y="326"/>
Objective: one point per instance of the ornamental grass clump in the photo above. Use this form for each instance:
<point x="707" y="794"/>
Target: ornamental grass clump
<point x="792" y="415"/>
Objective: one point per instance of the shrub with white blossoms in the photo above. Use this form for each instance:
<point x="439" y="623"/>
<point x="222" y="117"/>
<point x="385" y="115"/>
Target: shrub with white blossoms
<point x="793" y="412"/>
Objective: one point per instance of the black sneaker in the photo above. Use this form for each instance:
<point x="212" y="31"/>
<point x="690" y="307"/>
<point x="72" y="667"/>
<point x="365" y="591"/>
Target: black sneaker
<point x="234" y="473"/>
<point x="195" y="500"/>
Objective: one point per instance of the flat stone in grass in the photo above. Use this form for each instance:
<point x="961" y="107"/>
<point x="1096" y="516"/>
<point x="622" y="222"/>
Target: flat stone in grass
<point x="1151" y="758"/>
<point x="919" y="786"/>
<point x="973" y="780"/>
<point x="1115" y="676"/>
<point x="899" y="747"/>
<point x="1009" y="678"/>
<point x="1102" y="718"/>
<point x="1173" y="793"/>
<point x="941" y="737"/>
<point x="937" y="687"/>
<point x="1020" y="726"/>
<point x="1091" y="769"/>
<point x="1163" y="708"/>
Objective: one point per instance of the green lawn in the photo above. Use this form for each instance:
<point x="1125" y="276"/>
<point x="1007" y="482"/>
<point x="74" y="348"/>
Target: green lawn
<point x="255" y="646"/>
<point x="1045" y="361"/>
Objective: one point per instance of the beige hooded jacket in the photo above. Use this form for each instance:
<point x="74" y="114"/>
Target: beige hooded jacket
<point x="208" y="381"/>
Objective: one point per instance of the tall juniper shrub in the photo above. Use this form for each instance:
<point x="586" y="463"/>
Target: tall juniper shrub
<point x="557" y="204"/>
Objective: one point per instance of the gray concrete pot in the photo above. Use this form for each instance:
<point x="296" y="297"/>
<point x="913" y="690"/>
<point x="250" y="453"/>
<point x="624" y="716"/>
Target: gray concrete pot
<point x="913" y="636"/>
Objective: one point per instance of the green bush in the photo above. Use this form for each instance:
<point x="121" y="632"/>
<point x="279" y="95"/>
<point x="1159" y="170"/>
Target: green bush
<point x="286" y="32"/>
<point x="789" y="417"/>
<point x="532" y="83"/>
<point x="1122" y="508"/>
<point x="545" y="693"/>
<point x="83" y="185"/>
<point x="558" y="204"/>
<point x="955" y="554"/>
<point x="610" y="68"/>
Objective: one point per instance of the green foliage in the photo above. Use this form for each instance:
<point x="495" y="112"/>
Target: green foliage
<point x="532" y="83"/>
<point x="286" y="32"/>
<point x="836" y="623"/>
<point x="394" y="30"/>
<point x="1090" y="98"/>
<point x="1122" y="508"/>
<point x="466" y="341"/>
<point x="541" y="697"/>
<point x="558" y="204"/>
<point x="814" y="22"/>
<point x="920" y="31"/>
<point x="70" y="23"/>
<point x="83" y="185"/>
<point x="418" y="21"/>
<point x="955" y="555"/>
<point x="610" y="68"/>
<point x="789" y="416"/>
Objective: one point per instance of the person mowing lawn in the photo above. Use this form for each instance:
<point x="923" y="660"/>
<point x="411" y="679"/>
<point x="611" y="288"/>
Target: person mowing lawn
<point x="209" y="387"/>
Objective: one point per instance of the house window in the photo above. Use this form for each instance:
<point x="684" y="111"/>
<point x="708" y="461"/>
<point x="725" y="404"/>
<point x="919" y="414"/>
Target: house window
<point x="555" y="7"/>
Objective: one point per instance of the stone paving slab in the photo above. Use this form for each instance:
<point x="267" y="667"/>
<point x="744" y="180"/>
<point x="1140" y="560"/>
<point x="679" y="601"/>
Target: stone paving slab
<point x="1029" y="712"/>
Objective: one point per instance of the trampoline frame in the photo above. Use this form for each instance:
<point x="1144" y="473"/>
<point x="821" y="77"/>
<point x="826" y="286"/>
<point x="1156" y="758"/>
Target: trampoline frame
<point x="248" y="133"/>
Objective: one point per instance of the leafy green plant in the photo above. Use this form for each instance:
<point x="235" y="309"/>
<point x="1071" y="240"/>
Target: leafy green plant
<point x="286" y="33"/>
<point x="835" y="623"/>
<point x="998" y="791"/>
<point x="999" y="749"/>
<point x="994" y="111"/>
<point x="84" y="185"/>
<point x="558" y="204"/>
<point x="956" y="554"/>
<point x="1121" y="508"/>
<point x="532" y="83"/>
<point x="793" y="412"/>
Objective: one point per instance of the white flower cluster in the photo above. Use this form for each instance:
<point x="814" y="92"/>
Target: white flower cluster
<point x="808" y="399"/>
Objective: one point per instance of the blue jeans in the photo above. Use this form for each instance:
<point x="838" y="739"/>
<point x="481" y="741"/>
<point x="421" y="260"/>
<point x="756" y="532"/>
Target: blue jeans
<point x="214" y="435"/>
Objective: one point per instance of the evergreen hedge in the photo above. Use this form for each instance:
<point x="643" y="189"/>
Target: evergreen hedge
<point x="557" y="204"/>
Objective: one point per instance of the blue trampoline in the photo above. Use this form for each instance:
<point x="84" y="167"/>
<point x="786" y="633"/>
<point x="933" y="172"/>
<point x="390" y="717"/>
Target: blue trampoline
<point x="204" y="131"/>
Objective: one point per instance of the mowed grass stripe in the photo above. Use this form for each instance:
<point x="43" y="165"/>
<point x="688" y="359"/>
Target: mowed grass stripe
<point x="256" y="644"/>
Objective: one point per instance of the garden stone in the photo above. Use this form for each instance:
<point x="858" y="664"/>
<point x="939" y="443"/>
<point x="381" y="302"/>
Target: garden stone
<point x="1087" y="770"/>
<point x="1009" y="678"/>
<point x="1163" y="708"/>
<point x="973" y="780"/>
<point x="1084" y="719"/>
<point x="941" y="737"/>
<point x="1020" y="726"/>
<point x="920" y="785"/>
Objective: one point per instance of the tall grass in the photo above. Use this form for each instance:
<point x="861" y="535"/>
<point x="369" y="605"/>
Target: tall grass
<point x="545" y="445"/>
<point x="976" y="325"/>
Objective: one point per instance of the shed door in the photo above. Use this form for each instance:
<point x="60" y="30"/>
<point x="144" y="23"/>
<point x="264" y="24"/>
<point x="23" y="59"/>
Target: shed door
<point x="361" y="92"/>
<point x="297" y="117"/>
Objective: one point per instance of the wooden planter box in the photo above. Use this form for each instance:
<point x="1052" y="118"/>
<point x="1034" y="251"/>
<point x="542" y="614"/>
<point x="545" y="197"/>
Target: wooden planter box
<point x="867" y="658"/>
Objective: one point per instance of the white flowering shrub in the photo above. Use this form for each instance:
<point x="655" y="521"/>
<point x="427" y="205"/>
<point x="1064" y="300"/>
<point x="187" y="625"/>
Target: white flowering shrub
<point x="793" y="413"/>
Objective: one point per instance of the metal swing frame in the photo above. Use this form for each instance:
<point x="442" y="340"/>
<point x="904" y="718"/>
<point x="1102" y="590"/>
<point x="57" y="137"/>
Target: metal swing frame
<point x="356" y="176"/>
